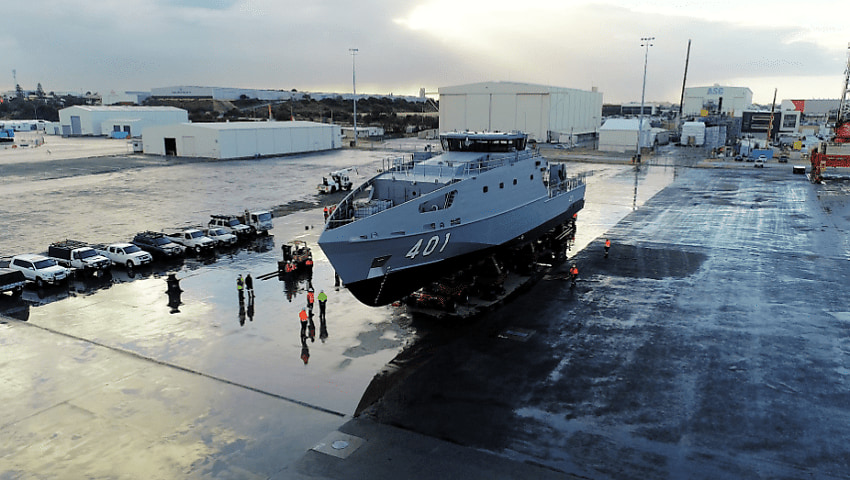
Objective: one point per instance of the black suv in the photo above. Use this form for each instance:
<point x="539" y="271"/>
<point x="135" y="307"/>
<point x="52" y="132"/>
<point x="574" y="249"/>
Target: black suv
<point x="158" y="244"/>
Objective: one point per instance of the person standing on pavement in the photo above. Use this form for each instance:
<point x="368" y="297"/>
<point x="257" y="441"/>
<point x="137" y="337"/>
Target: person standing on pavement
<point x="323" y="300"/>
<point x="573" y="274"/>
<point x="239" y="288"/>
<point x="310" y="299"/>
<point x="302" y="316"/>
<point x="249" y="285"/>
<point x="607" y="246"/>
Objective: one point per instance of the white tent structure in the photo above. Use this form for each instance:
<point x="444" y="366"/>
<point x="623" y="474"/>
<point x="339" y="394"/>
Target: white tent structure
<point x="621" y="135"/>
<point x="96" y="120"/>
<point x="240" y="139"/>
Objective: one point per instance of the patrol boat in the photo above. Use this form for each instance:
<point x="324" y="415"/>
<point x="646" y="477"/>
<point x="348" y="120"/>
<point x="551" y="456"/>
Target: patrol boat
<point x="424" y="216"/>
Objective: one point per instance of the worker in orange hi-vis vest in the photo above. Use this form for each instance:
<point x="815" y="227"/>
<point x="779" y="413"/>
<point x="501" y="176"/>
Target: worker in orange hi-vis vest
<point x="607" y="246"/>
<point x="573" y="274"/>
<point x="302" y="316"/>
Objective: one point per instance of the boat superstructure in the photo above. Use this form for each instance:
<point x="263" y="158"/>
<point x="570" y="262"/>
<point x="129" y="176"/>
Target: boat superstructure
<point x="425" y="215"/>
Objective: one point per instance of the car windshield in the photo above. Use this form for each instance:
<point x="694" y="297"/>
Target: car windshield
<point x="217" y="231"/>
<point x="161" y="241"/>
<point x="86" y="253"/>
<point x="264" y="216"/>
<point x="46" y="263"/>
<point x="196" y="234"/>
<point x="132" y="249"/>
<point x="233" y="222"/>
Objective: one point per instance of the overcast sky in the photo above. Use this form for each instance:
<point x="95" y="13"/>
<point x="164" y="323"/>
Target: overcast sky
<point x="101" y="45"/>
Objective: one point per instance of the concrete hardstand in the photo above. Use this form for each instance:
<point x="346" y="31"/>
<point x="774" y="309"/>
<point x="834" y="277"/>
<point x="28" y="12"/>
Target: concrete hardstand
<point x="712" y="342"/>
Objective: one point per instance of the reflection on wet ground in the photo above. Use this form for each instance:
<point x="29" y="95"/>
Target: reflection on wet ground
<point x="199" y="360"/>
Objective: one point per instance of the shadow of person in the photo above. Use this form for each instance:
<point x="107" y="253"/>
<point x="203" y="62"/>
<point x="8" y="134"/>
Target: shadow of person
<point x="305" y="351"/>
<point x="173" y="291"/>
<point x="323" y="330"/>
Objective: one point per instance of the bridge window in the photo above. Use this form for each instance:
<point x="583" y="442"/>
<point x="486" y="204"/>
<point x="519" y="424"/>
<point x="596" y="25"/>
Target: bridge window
<point x="485" y="188"/>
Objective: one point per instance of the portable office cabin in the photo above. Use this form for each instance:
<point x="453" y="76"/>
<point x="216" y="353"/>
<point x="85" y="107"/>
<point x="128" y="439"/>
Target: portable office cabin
<point x="89" y="120"/>
<point x="240" y="139"/>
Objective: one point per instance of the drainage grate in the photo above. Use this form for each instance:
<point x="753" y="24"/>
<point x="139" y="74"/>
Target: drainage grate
<point x="338" y="444"/>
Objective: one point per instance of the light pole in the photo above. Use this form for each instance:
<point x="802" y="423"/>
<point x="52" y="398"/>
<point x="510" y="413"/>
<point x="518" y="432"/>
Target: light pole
<point x="645" y="44"/>
<point x="354" y="87"/>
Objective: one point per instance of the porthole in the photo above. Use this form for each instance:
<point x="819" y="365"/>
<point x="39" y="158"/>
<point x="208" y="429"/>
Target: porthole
<point x="485" y="188"/>
<point x="515" y="181"/>
<point x="531" y="177"/>
<point x="501" y="185"/>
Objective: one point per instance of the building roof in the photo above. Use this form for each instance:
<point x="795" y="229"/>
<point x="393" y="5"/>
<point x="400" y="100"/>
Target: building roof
<point x="124" y="108"/>
<point x="506" y="87"/>
<point x="624" y="124"/>
<point x="257" y="125"/>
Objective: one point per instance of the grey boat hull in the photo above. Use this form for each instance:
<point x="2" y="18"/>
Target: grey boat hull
<point x="379" y="271"/>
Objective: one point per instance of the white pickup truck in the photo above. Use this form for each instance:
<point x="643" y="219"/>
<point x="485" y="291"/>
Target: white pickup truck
<point x="79" y="256"/>
<point x="259" y="221"/>
<point x="222" y="237"/>
<point x="39" y="269"/>
<point x="231" y="224"/>
<point x="193" y="239"/>
<point x="12" y="280"/>
<point x="125" y="254"/>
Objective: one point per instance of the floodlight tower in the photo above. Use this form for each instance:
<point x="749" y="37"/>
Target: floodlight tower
<point x="646" y="44"/>
<point x="354" y="87"/>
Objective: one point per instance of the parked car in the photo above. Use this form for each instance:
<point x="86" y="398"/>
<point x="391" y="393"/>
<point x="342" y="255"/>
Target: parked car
<point x="80" y="256"/>
<point x="222" y="237"/>
<point x="126" y="254"/>
<point x="158" y="244"/>
<point x="12" y="280"/>
<point x="759" y="163"/>
<point x="739" y="158"/>
<point x="193" y="239"/>
<point x="39" y="269"/>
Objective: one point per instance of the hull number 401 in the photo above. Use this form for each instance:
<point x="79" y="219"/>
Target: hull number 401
<point x="429" y="247"/>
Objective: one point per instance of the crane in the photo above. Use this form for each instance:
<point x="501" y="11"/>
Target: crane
<point x="836" y="153"/>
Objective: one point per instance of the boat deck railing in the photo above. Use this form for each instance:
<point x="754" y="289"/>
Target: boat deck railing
<point x="406" y="165"/>
<point x="568" y="184"/>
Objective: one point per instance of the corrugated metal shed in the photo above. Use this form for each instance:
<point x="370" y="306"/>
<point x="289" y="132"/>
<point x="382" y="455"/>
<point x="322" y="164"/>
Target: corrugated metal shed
<point x="240" y="139"/>
<point x="90" y="119"/>
<point x="545" y="113"/>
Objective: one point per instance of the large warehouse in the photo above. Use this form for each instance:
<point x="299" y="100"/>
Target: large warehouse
<point x="240" y="139"/>
<point x="546" y="114"/>
<point x="717" y="99"/>
<point x="103" y="120"/>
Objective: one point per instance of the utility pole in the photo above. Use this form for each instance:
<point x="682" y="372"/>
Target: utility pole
<point x="684" y="81"/>
<point x="645" y="44"/>
<point x="354" y="87"/>
<point x="770" y="124"/>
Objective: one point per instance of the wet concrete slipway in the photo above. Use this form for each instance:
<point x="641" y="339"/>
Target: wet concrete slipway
<point x="712" y="343"/>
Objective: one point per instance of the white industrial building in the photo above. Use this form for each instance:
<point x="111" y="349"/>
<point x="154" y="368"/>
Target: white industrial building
<point x="546" y="114"/>
<point x="717" y="99"/>
<point x="124" y="98"/>
<point x="103" y="120"/>
<point x="240" y="139"/>
<point x="812" y="107"/>
<point x="363" y="132"/>
<point x="621" y="135"/>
